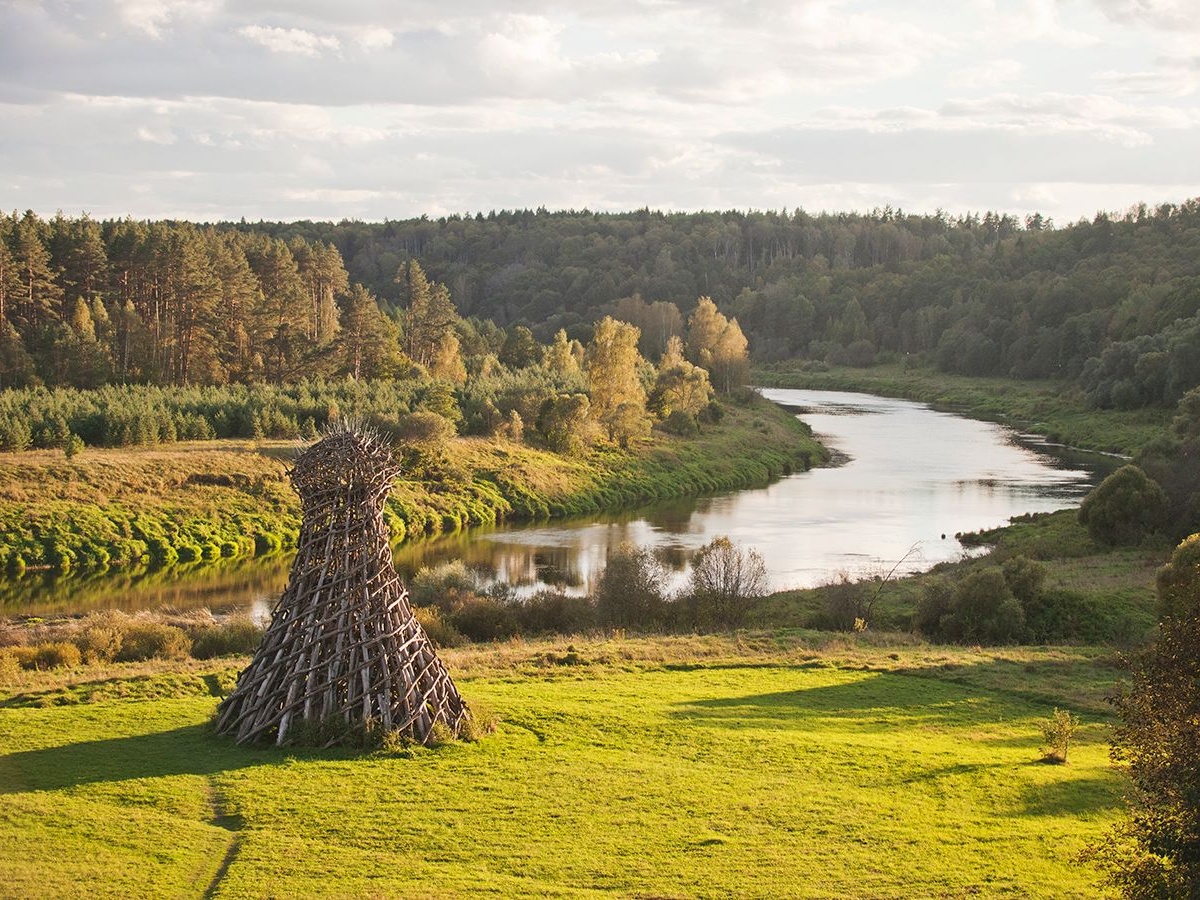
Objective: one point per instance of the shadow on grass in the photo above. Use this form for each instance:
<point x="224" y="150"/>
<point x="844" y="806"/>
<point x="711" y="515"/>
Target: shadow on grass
<point x="1073" y="796"/>
<point x="190" y="750"/>
<point x="870" y="701"/>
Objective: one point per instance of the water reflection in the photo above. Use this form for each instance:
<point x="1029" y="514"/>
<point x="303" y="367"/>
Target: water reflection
<point x="909" y="479"/>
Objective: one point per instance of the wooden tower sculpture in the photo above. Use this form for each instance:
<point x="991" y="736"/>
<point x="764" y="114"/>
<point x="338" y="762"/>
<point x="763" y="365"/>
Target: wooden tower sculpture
<point x="343" y="643"/>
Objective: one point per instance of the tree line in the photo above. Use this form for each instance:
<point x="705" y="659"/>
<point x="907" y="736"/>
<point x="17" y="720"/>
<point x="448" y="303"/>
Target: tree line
<point x="1110" y="303"/>
<point x="151" y="332"/>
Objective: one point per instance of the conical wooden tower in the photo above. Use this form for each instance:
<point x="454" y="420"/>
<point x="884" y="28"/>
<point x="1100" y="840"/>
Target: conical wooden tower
<point x="343" y="641"/>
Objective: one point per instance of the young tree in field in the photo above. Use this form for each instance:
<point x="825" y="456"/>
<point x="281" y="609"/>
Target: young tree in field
<point x="613" y="380"/>
<point x="1156" y="851"/>
<point x="726" y="580"/>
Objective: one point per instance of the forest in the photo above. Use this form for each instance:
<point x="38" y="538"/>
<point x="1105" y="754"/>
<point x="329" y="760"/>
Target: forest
<point x="1112" y="303"/>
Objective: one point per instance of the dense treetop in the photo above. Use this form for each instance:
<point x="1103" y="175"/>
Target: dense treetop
<point x="1112" y="302"/>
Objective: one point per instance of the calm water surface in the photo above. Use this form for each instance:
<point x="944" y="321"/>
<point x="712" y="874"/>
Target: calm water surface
<point x="908" y="479"/>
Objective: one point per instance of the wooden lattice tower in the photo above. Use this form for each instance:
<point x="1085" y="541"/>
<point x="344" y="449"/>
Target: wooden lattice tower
<point x="343" y="641"/>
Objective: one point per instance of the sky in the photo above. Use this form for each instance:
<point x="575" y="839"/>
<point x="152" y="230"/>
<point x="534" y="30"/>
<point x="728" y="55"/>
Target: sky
<point x="339" y="109"/>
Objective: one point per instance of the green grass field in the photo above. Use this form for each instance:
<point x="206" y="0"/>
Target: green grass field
<point x="776" y="765"/>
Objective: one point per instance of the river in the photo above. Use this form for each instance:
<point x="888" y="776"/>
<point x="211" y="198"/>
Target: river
<point x="907" y="480"/>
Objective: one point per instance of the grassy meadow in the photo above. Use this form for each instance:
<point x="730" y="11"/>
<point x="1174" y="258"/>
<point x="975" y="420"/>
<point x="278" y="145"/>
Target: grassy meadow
<point x="781" y="764"/>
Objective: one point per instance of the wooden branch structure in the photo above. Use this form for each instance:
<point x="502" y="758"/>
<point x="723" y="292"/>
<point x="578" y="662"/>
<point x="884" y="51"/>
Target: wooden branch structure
<point x="343" y="643"/>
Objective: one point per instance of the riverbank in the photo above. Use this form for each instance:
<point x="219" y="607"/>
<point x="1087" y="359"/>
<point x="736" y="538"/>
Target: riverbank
<point x="1054" y="409"/>
<point x="204" y="501"/>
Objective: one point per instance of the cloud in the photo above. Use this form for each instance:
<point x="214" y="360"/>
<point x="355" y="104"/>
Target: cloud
<point x="152" y="17"/>
<point x="289" y="40"/>
<point x="1166" y="15"/>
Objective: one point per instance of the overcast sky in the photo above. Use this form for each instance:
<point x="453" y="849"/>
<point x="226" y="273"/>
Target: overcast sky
<point x="331" y="109"/>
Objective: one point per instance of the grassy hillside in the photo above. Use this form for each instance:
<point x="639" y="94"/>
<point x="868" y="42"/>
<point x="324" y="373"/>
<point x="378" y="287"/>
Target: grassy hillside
<point x="206" y="500"/>
<point x="751" y="766"/>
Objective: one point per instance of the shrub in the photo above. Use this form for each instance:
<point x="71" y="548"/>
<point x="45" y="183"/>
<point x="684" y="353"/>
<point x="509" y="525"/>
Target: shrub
<point x="10" y="666"/>
<point x="153" y="640"/>
<point x="632" y="589"/>
<point x="726" y="580"/>
<point x="437" y="629"/>
<point x="239" y="635"/>
<point x="1179" y="581"/>
<point x="845" y="602"/>
<point x="1125" y="508"/>
<point x="1058" y="732"/>
<point x="481" y="618"/>
<point x="56" y="655"/>
<point x="101" y="638"/>
<point x="553" y="612"/>
<point x="430" y="586"/>
<point x="680" y="423"/>
<point x="480" y="723"/>
<point x="73" y="446"/>
<point x="979" y="609"/>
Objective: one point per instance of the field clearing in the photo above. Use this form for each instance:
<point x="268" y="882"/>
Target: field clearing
<point x="770" y="765"/>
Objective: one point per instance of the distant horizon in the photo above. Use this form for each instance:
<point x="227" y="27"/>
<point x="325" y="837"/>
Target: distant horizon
<point x="951" y="215"/>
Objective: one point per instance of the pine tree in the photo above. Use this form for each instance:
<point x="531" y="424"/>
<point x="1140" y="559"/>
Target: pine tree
<point x="368" y="342"/>
<point x="40" y="296"/>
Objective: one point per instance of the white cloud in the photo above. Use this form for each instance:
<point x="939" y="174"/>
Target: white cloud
<point x="156" y="135"/>
<point x="1170" y="15"/>
<point x="290" y="40"/>
<point x="153" y="16"/>
<point x="373" y="37"/>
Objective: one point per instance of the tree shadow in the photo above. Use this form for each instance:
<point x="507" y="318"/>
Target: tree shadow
<point x="879" y="700"/>
<point x="189" y="750"/>
<point x="1073" y="796"/>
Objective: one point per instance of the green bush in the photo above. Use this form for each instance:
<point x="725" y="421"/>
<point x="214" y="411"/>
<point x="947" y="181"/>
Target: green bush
<point x="1125" y="508"/>
<point x="979" y="609"/>
<point x="153" y="640"/>
<point x="632" y="589"/>
<point x="481" y="618"/>
<point x="1179" y="581"/>
<point x="238" y="636"/>
<point x="1059" y="731"/>
<point x="553" y="612"/>
<point x="437" y="629"/>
